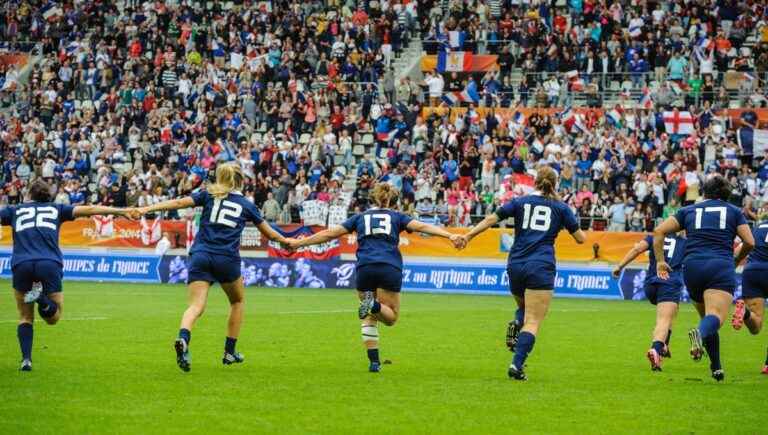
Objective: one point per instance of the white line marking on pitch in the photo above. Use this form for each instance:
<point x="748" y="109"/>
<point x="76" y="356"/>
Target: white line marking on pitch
<point x="62" y="320"/>
<point x="315" y="312"/>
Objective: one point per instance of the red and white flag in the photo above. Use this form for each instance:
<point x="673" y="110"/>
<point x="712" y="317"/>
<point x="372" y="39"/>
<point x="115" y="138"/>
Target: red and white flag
<point x="150" y="234"/>
<point x="105" y="225"/>
<point x="678" y="122"/>
<point x="192" y="227"/>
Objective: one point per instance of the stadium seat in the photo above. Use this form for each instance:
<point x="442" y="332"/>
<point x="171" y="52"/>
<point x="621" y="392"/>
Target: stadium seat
<point x="304" y="139"/>
<point x="358" y="150"/>
<point x="367" y="139"/>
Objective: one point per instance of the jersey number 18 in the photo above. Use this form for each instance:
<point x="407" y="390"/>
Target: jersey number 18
<point x="539" y="220"/>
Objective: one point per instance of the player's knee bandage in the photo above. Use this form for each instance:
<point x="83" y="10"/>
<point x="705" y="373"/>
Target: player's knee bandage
<point x="370" y="333"/>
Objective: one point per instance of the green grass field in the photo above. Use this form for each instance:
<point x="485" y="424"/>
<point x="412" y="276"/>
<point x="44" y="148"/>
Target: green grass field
<point x="109" y="368"/>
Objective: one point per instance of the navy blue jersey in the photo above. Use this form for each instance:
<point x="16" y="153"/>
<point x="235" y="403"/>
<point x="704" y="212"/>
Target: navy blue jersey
<point x="710" y="227"/>
<point x="759" y="255"/>
<point x="674" y="253"/>
<point x="36" y="230"/>
<point x="538" y="220"/>
<point x="222" y="223"/>
<point x="378" y="236"/>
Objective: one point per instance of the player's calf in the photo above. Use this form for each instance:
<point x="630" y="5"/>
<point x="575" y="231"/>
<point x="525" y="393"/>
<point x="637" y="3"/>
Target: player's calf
<point x="370" y="336"/>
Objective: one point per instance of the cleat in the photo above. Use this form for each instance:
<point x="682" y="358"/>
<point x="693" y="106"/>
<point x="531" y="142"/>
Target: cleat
<point x="718" y="375"/>
<point x="26" y="366"/>
<point x="374" y="367"/>
<point x="366" y="304"/>
<point x="513" y="331"/>
<point x="655" y="360"/>
<point x="665" y="353"/>
<point x="697" y="347"/>
<point x="182" y="354"/>
<point x="34" y="293"/>
<point x="517" y="374"/>
<point x="737" y="321"/>
<point x="232" y="358"/>
<point x="765" y="370"/>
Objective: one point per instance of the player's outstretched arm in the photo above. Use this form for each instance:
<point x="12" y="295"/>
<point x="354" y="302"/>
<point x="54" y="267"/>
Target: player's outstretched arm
<point x="489" y="221"/>
<point x="92" y="210"/>
<point x="633" y="253"/>
<point x="323" y="236"/>
<point x="171" y="204"/>
<point x="421" y="227"/>
<point x="670" y="225"/>
<point x="747" y="243"/>
<point x="579" y="236"/>
<point x="271" y="234"/>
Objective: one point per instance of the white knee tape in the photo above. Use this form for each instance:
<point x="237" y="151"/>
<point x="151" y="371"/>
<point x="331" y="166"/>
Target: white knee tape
<point x="370" y="333"/>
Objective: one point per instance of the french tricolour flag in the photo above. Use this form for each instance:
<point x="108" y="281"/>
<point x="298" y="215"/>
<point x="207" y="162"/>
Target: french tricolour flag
<point x="645" y="100"/>
<point x="465" y="96"/>
<point x="51" y="10"/>
<point x="457" y="61"/>
<point x="456" y="38"/>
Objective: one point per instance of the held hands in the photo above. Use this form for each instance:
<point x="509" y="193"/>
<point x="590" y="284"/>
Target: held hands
<point x="133" y="213"/>
<point x="662" y="270"/>
<point x="291" y="244"/>
<point x="459" y="241"/>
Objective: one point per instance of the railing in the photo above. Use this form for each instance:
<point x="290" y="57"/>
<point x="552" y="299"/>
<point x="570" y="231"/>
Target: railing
<point x="629" y="89"/>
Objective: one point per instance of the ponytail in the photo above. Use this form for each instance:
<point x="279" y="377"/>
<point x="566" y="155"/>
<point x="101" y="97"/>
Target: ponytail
<point x="546" y="183"/>
<point x="229" y="178"/>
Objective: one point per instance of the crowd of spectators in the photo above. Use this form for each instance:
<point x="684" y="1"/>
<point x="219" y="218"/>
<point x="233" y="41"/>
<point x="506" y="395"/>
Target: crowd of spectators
<point x="136" y="102"/>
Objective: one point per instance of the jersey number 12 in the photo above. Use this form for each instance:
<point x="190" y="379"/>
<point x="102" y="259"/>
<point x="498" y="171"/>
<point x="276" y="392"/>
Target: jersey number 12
<point x="225" y="213"/>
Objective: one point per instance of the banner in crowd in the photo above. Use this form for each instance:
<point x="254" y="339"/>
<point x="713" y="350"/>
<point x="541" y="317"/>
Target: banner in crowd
<point x="469" y="63"/>
<point x="89" y="267"/>
<point x="494" y="243"/>
<point x="114" y="233"/>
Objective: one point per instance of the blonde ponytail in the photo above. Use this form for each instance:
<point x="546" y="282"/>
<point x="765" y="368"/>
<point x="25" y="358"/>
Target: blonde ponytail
<point x="229" y="178"/>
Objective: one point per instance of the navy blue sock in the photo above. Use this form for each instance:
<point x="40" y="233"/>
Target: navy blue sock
<point x="709" y="325"/>
<point x="376" y="308"/>
<point x="373" y="355"/>
<point x="669" y="335"/>
<point x="520" y="315"/>
<point x="766" y="357"/>
<point x="25" y="332"/>
<point x="712" y="344"/>
<point x="229" y="345"/>
<point x="659" y="346"/>
<point x="524" y="346"/>
<point x="46" y="307"/>
<point x="185" y="334"/>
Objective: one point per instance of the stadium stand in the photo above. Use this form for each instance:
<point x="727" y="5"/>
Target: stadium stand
<point x="130" y="103"/>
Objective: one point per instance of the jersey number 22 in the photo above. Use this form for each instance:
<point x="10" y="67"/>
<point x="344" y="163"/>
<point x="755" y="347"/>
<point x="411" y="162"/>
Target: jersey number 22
<point x="36" y="217"/>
